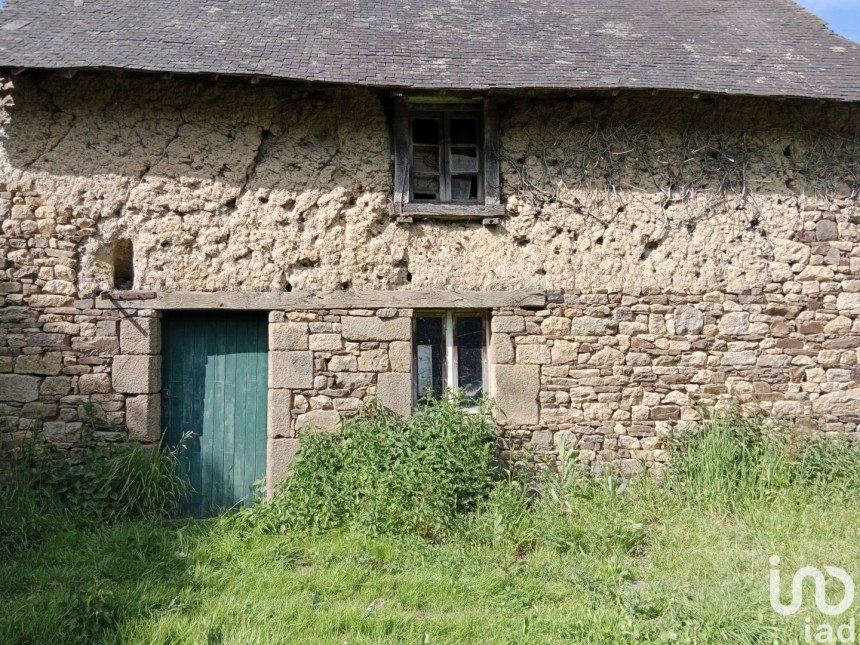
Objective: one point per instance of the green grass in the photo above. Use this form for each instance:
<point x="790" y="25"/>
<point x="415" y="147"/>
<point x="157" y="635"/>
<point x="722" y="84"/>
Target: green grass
<point x="471" y="559"/>
<point x="690" y="576"/>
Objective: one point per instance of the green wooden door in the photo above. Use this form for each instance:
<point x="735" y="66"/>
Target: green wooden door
<point x="214" y="396"/>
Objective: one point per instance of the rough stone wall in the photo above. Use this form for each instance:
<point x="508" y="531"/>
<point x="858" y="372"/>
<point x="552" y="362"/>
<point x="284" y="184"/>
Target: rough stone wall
<point x="618" y="372"/>
<point x="324" y="364"/>
<point x="684" y="265"/>
<point x="57" y="350"/>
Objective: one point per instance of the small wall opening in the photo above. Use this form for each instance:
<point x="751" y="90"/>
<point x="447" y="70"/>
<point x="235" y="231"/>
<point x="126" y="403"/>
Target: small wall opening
<point x="123" y="265"/>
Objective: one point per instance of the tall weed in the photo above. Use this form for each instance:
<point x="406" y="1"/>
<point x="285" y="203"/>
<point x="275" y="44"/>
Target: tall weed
<point x="732" y="461"/>
<point x="100" y="481"/>
<point x="384" y="474"/>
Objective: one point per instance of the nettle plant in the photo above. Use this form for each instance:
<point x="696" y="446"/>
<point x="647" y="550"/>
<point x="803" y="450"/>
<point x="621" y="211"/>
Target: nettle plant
<point x="386" y="475"/>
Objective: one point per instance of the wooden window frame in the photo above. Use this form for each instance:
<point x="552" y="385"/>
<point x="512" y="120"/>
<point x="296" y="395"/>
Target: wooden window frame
<point x="488" y="206"/>
<point x="444" y="116"/>
<point x="450" y="357"/>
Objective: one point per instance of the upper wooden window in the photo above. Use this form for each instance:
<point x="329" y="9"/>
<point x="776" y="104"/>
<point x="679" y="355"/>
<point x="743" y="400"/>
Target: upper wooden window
<point x="446" y="159"/>
<point x="445" y="156"/>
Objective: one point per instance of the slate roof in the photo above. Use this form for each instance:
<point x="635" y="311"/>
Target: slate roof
<point x="756" y="47"/>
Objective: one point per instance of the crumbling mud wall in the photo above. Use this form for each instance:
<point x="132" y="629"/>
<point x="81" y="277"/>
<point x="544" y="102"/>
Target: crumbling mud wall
<point x="231" y="186"/>
<point x="691" y="250"/>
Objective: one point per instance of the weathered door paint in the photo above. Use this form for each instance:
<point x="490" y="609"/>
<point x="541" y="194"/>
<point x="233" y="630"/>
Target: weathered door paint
<point x="215" y="369"/>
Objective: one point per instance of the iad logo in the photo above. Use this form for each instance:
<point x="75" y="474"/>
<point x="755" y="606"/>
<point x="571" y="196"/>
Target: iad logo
<point x="824" y="633"/>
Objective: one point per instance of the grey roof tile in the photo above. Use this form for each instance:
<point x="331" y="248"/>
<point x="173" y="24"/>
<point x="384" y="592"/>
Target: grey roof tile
<point x="764" y="47"/>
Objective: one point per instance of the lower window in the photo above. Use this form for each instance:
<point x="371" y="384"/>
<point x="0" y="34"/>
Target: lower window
<point x="450" y="352"/>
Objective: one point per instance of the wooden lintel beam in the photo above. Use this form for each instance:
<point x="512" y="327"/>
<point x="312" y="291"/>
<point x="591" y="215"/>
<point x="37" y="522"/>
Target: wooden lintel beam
<point x="331" y="300"/>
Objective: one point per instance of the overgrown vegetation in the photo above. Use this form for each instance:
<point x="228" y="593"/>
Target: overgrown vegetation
<point x="394" y="531"/>
<point x="381" y="474"/>
<point x="101" y="481"/>
<point x="732" y="462"/>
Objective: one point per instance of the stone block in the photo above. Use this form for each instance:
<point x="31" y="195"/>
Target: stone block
<point x="56" y="386"/>
<point x="734" y="323"/>
<point x="136" y="374"/>
<point x="738" y="359"/>
<point x="515" y="391"/>
<point x="61" y="432"/>
<point x="45" y="340"/>
<point x="826" y="230"/>
<point x="143" y="417"/>
<point x="840" y="402"/>
<point x="508" y="324"/>
<point x="325" y="342"/>
<point x="542" y="441"/>
<point x="597" y="411"/>
<point x="394" y="391"/>
<point x="62" y="287"/>
<point x="564" y="352"/>
<point x="279" y="461"/>
<point x="819" y="273"/>
<point x="343" y="363"/>
<point x="790" y="252"/>
<point x="140" y="336"/>
<point x="291" y="370"/>
<point x="591" y="326"/>
<point x="318" y="420"/>
<point x="288" y="337"/>
<point x="376" y="329"/>
<point x="533" y="354"/>
<point x="280" y="406"/>
<point x="607" y="357"/>
<point x="15" y="388"/>
<point x="373" y="360"/>
<point x="47" y="364"/>
<point x="846" y="302"/>
<point x="839" y="325"/>
<point x="555" y="327"/>
<point x="788" y="409"/>
<point x="688" y="320"/>
<point x="665" y="412"/>
<point x="501" y="349"/>
<point x="61" y="327"/>
<point x="352" y="380"/>
<point x="400" y="356"/>
<point x="94" y="383"/>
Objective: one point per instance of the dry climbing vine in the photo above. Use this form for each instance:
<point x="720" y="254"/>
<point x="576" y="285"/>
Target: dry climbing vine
<point x="596" y="171"/>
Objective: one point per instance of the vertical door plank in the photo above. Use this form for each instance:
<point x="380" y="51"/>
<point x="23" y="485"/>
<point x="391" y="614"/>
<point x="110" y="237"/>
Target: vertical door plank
<point x="215" y="373"/>
<point x="259" y="403"/>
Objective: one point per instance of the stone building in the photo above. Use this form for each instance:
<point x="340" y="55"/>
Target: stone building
<point x="241" y="220"/>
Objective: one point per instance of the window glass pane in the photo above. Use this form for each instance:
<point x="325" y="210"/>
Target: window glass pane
<point x="425" y="131"/>
<point x="469" y="337"/>
<point x="425" y="187"/>
<point x="464" y="159"/>
<point x="464" y="188"/>
<point x="464" y="131"/>
<point x="429" y="350"/>
<point x="425" y="159"/>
